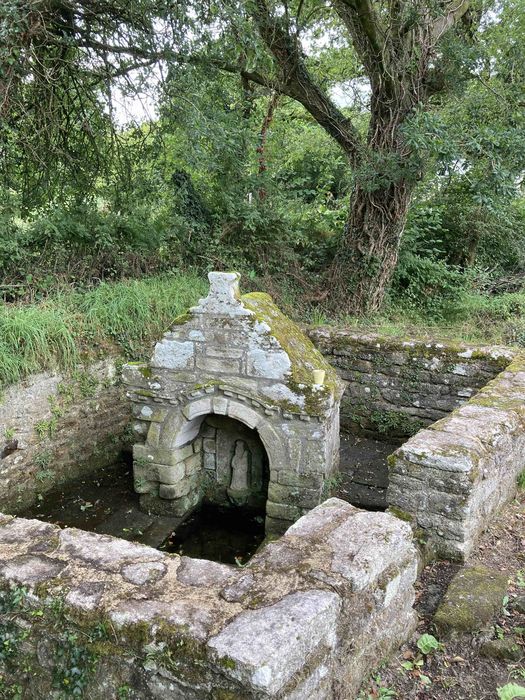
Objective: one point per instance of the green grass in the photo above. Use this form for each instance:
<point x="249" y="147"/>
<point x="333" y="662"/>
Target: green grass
<point x="127" y="317"/>
<point x="71" y="326"/>
<point x="472" y="318"/>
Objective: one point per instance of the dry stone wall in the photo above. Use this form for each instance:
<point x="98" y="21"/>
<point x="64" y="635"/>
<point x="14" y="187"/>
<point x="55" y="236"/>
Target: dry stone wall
<point x="397" y="386"/>
<point x="306" y="618"/>
<point x="447" y="480"/>
<point x="54" y="428"/>
<point x="450" y="479"/>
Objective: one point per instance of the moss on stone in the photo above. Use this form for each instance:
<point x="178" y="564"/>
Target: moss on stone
<point x="304" y="356"/>
<point x="207" y="384"/>
<point x="416" y="348"/>
<point x="391" y="461"/>
<point x="182" y="319"/>
<point x="144" y="392"/>
<point x="506" y="649"/>
<point x="401" y="514"/>
<point x="227" y="662"/>
<point x="474" y="597"/>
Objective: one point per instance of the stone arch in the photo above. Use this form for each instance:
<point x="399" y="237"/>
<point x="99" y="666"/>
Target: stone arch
<point x="182" y="424"/>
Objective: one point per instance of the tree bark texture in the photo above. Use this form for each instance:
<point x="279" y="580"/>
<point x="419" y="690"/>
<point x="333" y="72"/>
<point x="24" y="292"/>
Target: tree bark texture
<point x="367" y="254"/>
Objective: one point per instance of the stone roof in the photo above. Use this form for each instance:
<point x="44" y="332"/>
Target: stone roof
<point x="228" y="334"/>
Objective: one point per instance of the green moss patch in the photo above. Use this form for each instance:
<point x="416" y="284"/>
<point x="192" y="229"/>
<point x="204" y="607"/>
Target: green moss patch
<point x="304" y="356"/>
<point x="473" y="598"/>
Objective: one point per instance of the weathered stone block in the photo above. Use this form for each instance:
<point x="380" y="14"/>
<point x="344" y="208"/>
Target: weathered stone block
<point x="282" y="511"/>
<point x="146" y="471"/>
<point x="308" y="481"/>
<point x="174" y="354"/>
<point x="182" y="453"/>
<point x="473" y="598"/>
<point x="143" y="454"/>
<point x="268" y="364"/>
<point x="301" y="497"/>
<point x="170" y="474"/>
<point x="244" y="414"/>
<point x="193" y="464"/>
<point x="440" y="450"/>
<point x="218" y="364"/>
<point x="153" y="434"/>
<point x="143" y="486"/>
<point x="197" y="408"/>
<point x="265" y="648"/>
<point x="170" y="491"/>
<point x="140" y="429"/>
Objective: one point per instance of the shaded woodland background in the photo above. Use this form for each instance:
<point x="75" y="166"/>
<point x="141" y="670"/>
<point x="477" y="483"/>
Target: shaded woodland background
<point x="235" y="169"/>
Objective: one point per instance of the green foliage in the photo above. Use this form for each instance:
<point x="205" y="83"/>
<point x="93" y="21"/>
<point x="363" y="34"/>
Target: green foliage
<point x="82" y="245"/>
<point x="74" y="654"/>
<point x="46" y="428"/>
<point x="395" y="423"/>
<point x="74" y="663"/>
<point x="132" y="314"/>
<point x="83" y="201"/>
<point x="12" y="637"/>
<point x="511" y="691"/>
<point x="427" y="643"/>
<point x="124" y="315"/>
<point x="426" y="285"/>
<point x="332" y="485"/>
<point x="33" y="338"/>
<point x="43" y="459"/>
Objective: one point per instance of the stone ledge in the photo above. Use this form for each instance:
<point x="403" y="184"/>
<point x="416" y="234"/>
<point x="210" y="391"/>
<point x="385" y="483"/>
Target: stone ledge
<point x="296" y="619"/>
<point x="449" y="479"/>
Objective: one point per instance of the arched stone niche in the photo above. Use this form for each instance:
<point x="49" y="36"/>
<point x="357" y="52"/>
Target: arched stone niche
<point x="238" y="357"/>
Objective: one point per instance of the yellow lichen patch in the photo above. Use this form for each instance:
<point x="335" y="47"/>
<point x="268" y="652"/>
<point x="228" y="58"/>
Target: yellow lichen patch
<point x="304" y="356"/>
<point x="182" y="319"/>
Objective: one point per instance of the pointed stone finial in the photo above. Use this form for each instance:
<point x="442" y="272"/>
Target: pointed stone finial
<point x="224" y="297"/>
<point x="224" y="286"/>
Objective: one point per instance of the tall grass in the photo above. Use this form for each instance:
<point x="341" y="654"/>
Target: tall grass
<point x="127" y="317"/>
<point x="471" y="317"/>
<point x="134" y="313"/>
<point x="58" y="333"/>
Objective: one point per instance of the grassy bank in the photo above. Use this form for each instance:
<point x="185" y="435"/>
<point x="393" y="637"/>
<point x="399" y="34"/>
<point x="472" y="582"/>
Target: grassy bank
<point x="473" y="318"/>
<point x="69" y="327"/>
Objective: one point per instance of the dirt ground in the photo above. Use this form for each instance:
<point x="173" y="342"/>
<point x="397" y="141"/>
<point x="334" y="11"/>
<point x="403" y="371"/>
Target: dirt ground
<point x="458" y="671"/>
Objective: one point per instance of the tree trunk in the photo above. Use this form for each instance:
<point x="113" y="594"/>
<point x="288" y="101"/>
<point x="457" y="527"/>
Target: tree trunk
<point x="366" y="259"/>
<point x="261" y="154"/>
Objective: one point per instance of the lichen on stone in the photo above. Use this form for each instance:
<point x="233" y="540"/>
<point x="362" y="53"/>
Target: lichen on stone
<point x="304" y="356"/>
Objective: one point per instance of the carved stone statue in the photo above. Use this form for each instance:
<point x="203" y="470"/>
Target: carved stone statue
<point x="239" y="489"/>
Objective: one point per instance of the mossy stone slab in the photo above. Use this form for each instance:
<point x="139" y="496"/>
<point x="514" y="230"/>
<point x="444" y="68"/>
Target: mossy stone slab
<point x="474" y="597"/>
<point x="506" y="649"/>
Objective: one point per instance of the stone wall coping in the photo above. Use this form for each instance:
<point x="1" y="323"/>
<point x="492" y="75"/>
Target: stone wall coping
<point x="336" y="340"/>
<point x="256" y="625"/>
<point x="449" y="478"/>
